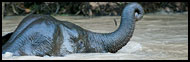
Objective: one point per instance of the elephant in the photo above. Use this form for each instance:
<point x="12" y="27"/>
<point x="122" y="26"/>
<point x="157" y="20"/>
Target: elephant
<point x="40" y="35"/>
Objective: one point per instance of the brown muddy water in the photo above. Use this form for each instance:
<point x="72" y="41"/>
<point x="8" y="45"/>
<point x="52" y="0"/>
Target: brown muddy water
<point x="156" y="37"/>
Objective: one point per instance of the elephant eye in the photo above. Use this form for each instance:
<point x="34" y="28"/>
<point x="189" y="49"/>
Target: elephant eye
<point x="81" y="43"/>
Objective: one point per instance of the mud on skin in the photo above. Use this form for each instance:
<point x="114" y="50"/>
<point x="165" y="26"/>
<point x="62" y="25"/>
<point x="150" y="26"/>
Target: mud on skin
<point x="42" y="35"/>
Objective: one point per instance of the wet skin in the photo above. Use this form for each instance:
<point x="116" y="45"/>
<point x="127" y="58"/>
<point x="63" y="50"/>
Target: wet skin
<point x="44" y="35"/>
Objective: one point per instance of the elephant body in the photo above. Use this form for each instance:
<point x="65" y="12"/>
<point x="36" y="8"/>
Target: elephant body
<point x="44" y="35"/>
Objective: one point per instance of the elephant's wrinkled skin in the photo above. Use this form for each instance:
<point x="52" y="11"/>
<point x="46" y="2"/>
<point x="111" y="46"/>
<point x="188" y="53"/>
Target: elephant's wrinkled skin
<point x="44" y="35"/>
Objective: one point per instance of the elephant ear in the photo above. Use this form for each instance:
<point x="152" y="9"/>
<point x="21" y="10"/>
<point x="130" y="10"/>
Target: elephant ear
<point x="6" y="37"/>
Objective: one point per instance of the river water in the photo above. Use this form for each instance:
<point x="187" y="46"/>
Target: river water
<point x="156" y="37"/>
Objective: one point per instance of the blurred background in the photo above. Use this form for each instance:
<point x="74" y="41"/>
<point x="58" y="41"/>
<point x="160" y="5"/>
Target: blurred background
<point x="87" y="8"/>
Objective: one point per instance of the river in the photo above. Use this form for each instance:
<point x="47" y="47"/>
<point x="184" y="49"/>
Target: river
<point x="156" y="37"/>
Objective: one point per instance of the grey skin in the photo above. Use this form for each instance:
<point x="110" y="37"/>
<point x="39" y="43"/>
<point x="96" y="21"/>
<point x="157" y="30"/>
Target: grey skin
<point x="44" y="35"/>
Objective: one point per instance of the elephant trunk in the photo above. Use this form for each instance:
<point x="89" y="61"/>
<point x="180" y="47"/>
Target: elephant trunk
<point x="114" y="41"/>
